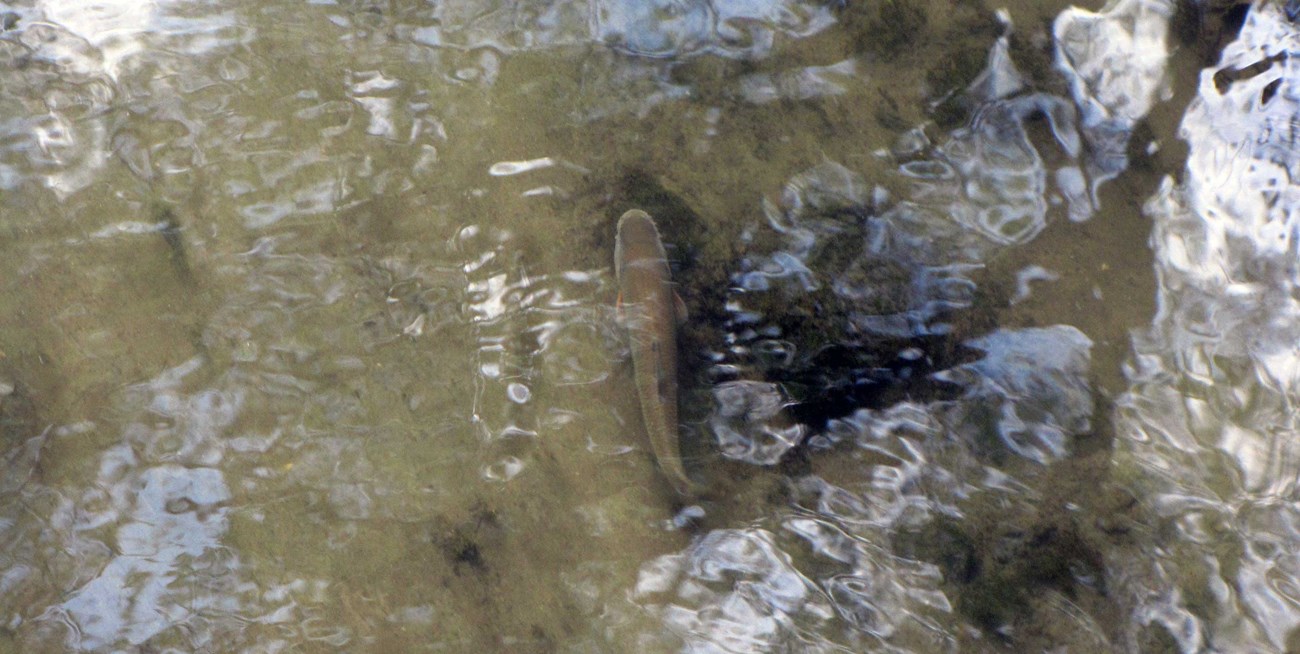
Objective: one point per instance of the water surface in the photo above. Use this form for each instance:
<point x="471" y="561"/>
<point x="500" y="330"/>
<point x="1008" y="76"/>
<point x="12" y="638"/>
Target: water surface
<point x="308" y="338"/>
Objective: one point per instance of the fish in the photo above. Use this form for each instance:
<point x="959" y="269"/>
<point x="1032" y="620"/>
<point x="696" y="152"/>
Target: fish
<point x="651" y="312"/>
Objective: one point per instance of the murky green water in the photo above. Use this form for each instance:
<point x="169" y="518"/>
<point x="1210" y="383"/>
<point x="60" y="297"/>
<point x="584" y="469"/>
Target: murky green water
<point x="308" y="338"/>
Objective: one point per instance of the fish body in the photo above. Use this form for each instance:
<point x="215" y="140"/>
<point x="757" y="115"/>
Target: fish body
<point x="651" y="312"/>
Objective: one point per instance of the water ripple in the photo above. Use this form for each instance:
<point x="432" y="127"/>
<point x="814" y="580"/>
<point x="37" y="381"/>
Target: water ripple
<point x="1209" y="416"/>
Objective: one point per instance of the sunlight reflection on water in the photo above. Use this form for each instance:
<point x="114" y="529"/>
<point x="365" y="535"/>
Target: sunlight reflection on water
<point x="1210" y="420"/>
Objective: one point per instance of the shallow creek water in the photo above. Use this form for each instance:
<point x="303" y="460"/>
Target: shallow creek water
<point x="308" y="338"/>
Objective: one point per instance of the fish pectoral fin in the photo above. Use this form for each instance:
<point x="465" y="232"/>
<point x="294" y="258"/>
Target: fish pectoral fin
<point x="679" y="309"/>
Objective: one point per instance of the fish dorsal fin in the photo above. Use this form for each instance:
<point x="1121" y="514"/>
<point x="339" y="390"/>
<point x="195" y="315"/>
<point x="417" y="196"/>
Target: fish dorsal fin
<point x="679" y="309"/>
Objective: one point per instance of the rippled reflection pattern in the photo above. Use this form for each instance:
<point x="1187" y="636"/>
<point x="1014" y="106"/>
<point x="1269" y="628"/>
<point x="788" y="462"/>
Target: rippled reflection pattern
<point x="874" y="532"/>
<point x="1115" y="63"/>
<point x="311" y="346"/>
<point x="1210" y="423"/>
<point x="660" y="28"/>
<point x="66" y="83"/>
<point x="984" y="187"/>
<point x="1033" y="382"/>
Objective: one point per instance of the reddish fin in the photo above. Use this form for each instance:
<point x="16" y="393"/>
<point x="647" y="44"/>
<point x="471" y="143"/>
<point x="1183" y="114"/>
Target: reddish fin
<point x="679" y="309"/>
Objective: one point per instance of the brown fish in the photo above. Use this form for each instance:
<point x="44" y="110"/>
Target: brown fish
<point x="651" y="312"/>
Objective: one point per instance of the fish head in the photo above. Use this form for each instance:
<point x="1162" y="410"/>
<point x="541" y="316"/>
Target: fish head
<point x="636" y="240"/>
